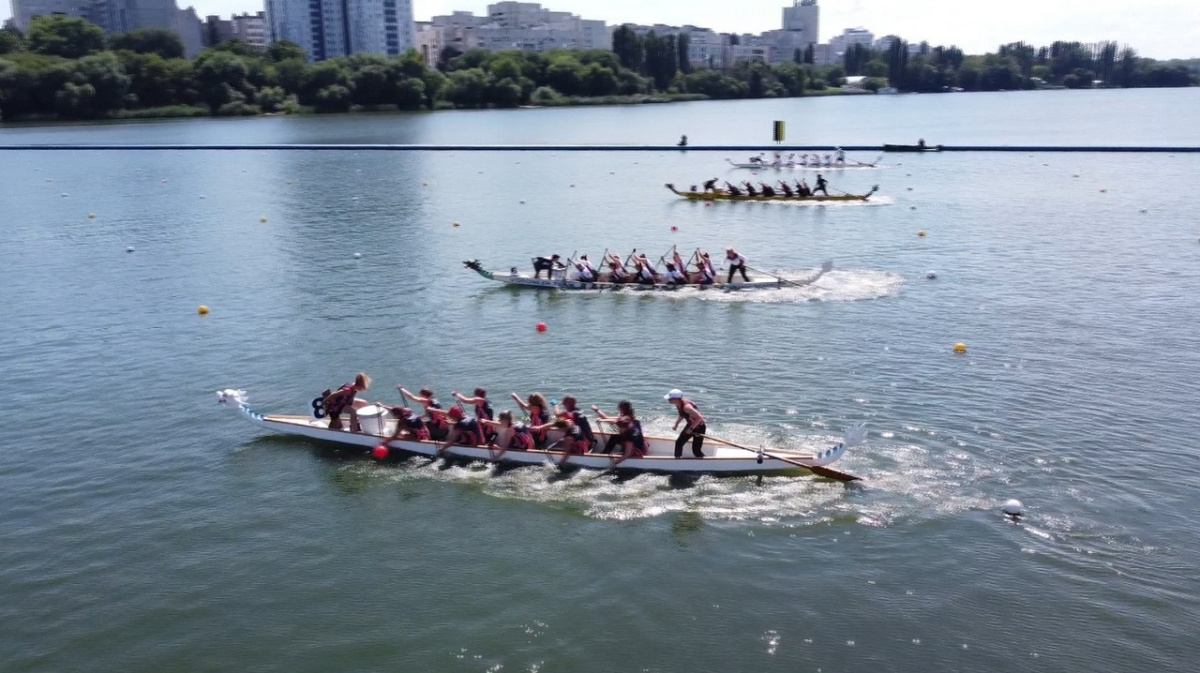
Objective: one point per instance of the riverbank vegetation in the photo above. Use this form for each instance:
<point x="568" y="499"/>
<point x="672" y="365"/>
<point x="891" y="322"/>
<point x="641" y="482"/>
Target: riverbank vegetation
<point x="66" y="68"/>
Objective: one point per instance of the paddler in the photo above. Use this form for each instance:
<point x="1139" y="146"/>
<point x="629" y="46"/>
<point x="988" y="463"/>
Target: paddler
<point x="646" y="273"/>
<point x="509" y="435"/>
<point x="675" y="276"/>
<point x="787" y="189"/>
<point x="539" y="414"/>
<point x="710" y="185"/>
<point x="579" y="438"/>
<point x="435" y="416"/>
<point x="483" y="407"/>
<point x="736" y="263"/>
<point x="629" y="432"/>
<point x="708" y="275"/>
<point x="587" y="273"/>
<point x="820" y="186"/>
<point x="841" y="156"/>
<point x="408" y="425"/>
<point x="464" y="432"/>
<point x="343" y="399"/>
<point x="694" y="430"/>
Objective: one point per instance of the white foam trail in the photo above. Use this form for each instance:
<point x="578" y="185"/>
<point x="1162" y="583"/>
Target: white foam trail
<point x="837" y="285"/>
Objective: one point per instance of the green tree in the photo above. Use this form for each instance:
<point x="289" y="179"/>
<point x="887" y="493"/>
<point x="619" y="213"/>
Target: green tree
<point x="11" y="41"/>
<point x="284" y="50"/>
<point x="468" y="88"/>
<point x="565" y="74"/>
<point x="165" y="43"/>
<point x="505" y="93"/>
<point x="333" y="98"/>
<point x="809" y="54"/>
<point x="221" y="78"/>
<point x="629" y="48"/>
<point x="599" y="80"/>
<point x="372" y="85"/>
<point x="683" y="43"/>
<point x="238" y="48"/>
<point x="64" y="36"/>
<point x="410" y="94"/>
<point x="792" y="77"/>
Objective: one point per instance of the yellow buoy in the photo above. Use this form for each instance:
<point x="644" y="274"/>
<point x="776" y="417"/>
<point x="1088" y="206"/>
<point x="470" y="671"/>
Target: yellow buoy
<point x="263" y="220"/>
<point x="203" y="310"/>
<point x="91" y="216"/>
<point x="960" y="347"/>
<point x="921" y="232"/>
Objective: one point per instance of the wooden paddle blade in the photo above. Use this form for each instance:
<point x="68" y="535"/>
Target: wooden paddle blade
<point x="830" y="473"/>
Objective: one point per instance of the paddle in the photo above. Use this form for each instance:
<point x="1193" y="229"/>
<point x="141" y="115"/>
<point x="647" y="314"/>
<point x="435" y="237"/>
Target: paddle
<point x="820" y="470"/>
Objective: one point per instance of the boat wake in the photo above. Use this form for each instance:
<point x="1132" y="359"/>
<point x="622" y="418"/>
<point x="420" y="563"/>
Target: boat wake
<point x="902" y="480"/>
<point x="837" y="285"/>
<point x="873" y="201"/>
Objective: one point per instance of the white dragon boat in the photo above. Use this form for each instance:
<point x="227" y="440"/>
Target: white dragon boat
<point x="808" y="165"/>
<point x="569" y="280"/>
<point x="721" y="457"/>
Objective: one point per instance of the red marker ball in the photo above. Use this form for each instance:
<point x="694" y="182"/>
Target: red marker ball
<point x="380" y="452"/>
<point x="674" y="228"/>
<point x="541" y="327"/>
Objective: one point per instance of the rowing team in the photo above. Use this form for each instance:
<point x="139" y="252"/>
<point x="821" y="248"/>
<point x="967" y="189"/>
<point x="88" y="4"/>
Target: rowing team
<point x="802" y="160"/>
<point x="800" y="190"/>
<point x="637" y="268"/>
<point x="501" y="433"/>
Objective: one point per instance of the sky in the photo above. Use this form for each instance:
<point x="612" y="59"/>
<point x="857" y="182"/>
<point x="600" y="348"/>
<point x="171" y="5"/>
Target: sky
<point x="1157" y="28"/>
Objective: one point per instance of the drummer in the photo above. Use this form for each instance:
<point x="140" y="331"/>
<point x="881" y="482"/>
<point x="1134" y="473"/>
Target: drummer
<point x="343" y="399"/>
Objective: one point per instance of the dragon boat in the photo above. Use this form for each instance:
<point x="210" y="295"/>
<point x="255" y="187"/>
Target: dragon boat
<point x="722" y="457"/>
<point x="563" y="280"/>
<point x="919" y="147"/>
<point x="806" y="166"/>
<point x="726" y="196"/>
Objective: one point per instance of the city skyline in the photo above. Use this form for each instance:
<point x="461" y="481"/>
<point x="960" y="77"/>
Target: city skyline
<point x="1161" y="29"/>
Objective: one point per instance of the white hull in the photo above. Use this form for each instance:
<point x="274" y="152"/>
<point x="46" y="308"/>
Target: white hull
<point x="796" y="166"/>
<point x="570" y="282"/>
<point x="719" y="458"/>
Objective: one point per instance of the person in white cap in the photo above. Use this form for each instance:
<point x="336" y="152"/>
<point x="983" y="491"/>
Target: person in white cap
<point x="695" y="427"/>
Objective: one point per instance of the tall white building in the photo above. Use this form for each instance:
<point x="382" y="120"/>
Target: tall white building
<point x="335" y="28"/>
<point x="119" y="16"/>
<point x="804" y="16"/>
<point x="24" y="10"/>
<point x="850" y="37"/>
<point x="525" y="26"/>
<point x="251" y="29"/>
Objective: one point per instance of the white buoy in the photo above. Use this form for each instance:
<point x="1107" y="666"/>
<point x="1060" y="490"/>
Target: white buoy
<point x="358" y="255"/>
<point x="1013" y="508"/>
<point x="129" y="249"/>
<point x="931" y="275"/>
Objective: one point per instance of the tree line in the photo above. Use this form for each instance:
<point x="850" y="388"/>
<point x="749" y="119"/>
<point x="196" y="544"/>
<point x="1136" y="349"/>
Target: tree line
<point x="67" y="68"/>
<point x="1016" y="65"/>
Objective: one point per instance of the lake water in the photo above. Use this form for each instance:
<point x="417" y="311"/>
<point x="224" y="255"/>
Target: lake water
<point x="143" y="528"/>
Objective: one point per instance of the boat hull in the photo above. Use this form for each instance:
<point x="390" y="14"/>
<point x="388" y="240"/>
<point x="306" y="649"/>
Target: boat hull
<point x="912" y="148"/>
<point x="719" y="458"/>
<point x="566" y="283"/>
<point x="848" y="166"/>
<point x="779" y="198"/>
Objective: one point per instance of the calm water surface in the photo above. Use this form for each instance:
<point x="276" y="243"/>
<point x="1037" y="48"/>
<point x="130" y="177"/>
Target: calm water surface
<point x="142" y="528"/>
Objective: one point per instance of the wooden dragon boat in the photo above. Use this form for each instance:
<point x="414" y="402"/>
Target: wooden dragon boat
<point x="563" y="280"/>
<point x="805" y="166"/>
<point x="722" y="457"/>
<point x="777" y="198"/>
<point x="919" y="147"/>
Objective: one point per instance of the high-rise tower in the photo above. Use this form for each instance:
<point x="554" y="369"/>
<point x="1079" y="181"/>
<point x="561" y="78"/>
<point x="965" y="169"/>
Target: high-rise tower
<point x="334" y="28"/>
<point x="804" y="16"/>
